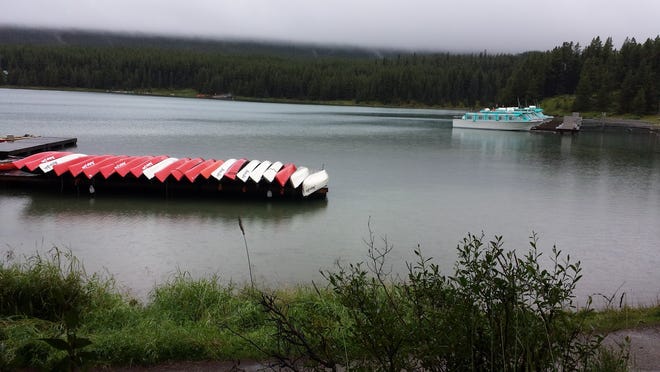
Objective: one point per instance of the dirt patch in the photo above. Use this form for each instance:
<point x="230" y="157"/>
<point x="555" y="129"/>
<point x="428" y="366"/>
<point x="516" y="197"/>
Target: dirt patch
<point x="644" y="346"/>
<point x="197" y="366"/>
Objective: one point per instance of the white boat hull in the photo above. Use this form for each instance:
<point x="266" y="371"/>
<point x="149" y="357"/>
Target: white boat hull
<point x="244" y="174"/>
<point x="314" y="182"/>
<point x="495" y="125"/>
<point x="299" y="176"/>
<point x="271" y="172"/>
<point x="258" y="172"/>
<point x="48" y="166"/>
<point x="151" y="171"/>
<point x="221" y="170"/>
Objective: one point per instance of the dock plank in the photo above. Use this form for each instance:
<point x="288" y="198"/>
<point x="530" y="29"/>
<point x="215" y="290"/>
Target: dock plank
<point x="31" y="145"/>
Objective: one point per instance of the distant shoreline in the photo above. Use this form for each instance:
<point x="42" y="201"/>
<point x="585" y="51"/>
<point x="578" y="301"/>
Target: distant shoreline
<point x="588" y="123"/>
<point x="620" y="123"/>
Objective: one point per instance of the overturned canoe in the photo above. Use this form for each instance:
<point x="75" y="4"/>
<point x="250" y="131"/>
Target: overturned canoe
<point x="65" y="171"/>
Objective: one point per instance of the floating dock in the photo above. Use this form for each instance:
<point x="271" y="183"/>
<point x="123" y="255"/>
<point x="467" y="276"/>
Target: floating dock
<point x="567" y="124"/>
<point x="28" y="145"/>
<point x="81" y="174"/>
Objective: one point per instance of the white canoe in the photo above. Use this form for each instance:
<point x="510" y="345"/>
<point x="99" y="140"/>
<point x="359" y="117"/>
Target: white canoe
<point x="47" y="167"/>
<point x="299" y="176"/>
<point x="314" y="182"/>
<point x="271" y="172"/>
<point x="152" y="170"/>
<point x="258" y="172"/>
<point x="220" y="172"/>
<point x="244" y="174"/>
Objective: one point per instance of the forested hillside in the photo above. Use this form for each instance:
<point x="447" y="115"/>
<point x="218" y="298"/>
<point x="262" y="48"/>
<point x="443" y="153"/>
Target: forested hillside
<point x="601" y="77"/>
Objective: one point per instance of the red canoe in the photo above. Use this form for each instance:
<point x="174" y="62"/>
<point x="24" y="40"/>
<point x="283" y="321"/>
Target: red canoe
<point x="108" y="169"/>
<point x="96" y="168"/>
<point x="167" y="171"/>
<point x="206" y="172"/>
<point x="179" y="171"/>
<point x="284" y="173"/>
<point x="7" y="165"/>
<point x="62" y="168"/>
<point x="32" y="165"/>
<point x="235" y="168"/>
<point x="34" y="157"/>
<point x="192" y="173"/>
<point x="76" y="169"/>
<point x="124" y="167"/>
<point x="137" y="170"/>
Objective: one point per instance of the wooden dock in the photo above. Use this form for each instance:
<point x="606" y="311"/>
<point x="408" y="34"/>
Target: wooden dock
<point x="570" y="124"/>
<point x="27" y="145"/>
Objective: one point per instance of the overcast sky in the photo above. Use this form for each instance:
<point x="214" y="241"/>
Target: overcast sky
<point x="459" y="25"/>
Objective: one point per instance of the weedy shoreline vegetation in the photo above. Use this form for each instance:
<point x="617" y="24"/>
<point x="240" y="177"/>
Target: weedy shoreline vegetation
<point x="499" y="310"/>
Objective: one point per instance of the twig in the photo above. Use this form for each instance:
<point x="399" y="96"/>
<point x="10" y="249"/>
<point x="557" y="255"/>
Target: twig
<point x="247" y="252"/>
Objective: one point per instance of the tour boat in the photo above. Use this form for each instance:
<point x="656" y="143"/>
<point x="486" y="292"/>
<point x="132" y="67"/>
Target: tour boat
<point x="503" y="118"/>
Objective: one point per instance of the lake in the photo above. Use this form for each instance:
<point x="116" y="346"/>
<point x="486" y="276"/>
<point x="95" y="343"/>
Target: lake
<point x="404" y="172"/>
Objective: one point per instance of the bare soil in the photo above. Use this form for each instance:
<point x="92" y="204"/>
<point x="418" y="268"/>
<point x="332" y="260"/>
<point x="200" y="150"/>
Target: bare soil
<point x="644" y="346"/>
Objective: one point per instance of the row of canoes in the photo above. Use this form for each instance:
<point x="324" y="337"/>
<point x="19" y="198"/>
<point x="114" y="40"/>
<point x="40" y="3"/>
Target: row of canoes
<point x="171" y="169"/>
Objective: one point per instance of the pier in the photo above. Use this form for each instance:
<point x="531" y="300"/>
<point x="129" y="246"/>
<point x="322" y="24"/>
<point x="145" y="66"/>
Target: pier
<point x="567" y="124"/>
<point x="27" y="145"/>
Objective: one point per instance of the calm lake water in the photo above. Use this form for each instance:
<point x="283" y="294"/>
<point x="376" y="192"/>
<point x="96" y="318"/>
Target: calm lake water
<point x="595" y="195"/>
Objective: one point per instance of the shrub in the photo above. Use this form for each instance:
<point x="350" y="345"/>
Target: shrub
<point x="498" y="311"/>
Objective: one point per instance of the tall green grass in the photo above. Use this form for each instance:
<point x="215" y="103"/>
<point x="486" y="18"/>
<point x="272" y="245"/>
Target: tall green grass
<point x="496" y="311"/>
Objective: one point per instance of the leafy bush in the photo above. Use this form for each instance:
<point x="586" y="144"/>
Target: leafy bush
<point x="498" y="311"/>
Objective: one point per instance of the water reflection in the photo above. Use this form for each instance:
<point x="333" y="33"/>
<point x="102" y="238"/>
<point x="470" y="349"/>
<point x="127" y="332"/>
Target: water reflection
<point x="183" y="209"/>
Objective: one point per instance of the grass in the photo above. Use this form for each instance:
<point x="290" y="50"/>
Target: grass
<point x="626" y="317"/>
<point x="184" y="318"/>
<point x="563" y="105"/>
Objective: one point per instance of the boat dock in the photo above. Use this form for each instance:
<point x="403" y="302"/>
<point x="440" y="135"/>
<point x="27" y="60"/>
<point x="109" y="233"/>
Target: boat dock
<point x="567" y="124"/>
<point x="28" y="144"/>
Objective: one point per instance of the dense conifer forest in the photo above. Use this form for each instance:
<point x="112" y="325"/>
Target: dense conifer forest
<point x="600" y="77"/>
